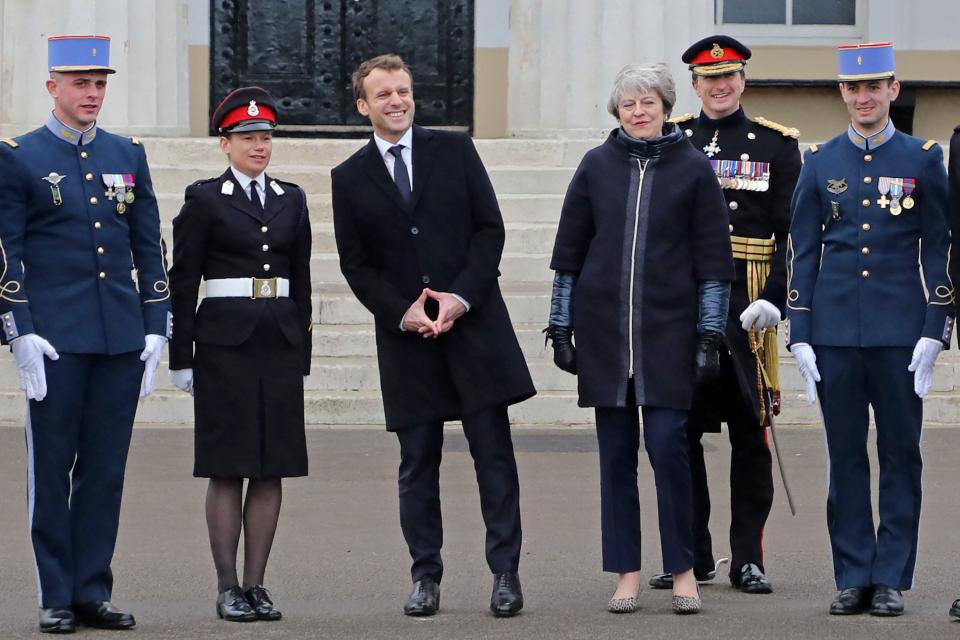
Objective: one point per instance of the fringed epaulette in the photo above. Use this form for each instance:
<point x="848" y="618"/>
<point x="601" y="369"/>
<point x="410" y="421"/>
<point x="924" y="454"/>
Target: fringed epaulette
<point x="929" y="144"/>
<point x="789" y="132"/>
<point x="683" y="118"/>
<point x="10" y="142"/>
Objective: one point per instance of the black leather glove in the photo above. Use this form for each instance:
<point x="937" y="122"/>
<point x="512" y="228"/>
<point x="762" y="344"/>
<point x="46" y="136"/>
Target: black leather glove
<point x="564" y="353"/>
<point x="708" y="357"/>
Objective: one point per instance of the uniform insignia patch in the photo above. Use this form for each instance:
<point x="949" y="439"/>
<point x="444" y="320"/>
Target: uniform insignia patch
<point x="837" y="186"/>
<point x="253" y="109"/>
<point x="54" y="179"/>
<point x="227" y="188"/>
<point x="10" y="142"/>
<point x="277" y="189"/>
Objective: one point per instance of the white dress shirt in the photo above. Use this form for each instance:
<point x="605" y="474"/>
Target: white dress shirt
<point x="245" y="182"/>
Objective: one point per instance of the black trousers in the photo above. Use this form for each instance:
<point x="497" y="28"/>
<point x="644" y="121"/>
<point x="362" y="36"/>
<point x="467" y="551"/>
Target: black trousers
<point x="751" y="496"/>
<point x="421" y="445"/>
<point x="665" y="439"/>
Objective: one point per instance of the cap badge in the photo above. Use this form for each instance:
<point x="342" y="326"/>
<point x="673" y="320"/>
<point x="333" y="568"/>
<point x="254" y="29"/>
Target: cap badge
<point x="717" y="52"/>
<point x="860" y="60"/>
<point x="253" y="110"/>
<point x="93" y="52"/>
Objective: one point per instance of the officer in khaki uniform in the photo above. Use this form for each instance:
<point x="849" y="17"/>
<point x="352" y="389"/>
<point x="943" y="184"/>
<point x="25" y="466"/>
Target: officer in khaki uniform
<point x="870" y="307"/>
<point x="79" y="218"/>
<point x="757" y="163"/>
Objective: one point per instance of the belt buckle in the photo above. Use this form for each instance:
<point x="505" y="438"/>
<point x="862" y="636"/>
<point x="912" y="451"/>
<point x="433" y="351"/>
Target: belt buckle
<point x="264" y="288"/>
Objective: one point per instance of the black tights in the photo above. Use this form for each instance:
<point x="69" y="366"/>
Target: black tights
<point x="228" y="513"/>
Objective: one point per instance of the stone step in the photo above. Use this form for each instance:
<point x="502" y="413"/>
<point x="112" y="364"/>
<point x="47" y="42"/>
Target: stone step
<point x="174" y="178"/>
<point x="515" y="207"/>
<point x="514" y="267"/>
<point x="293" y="152"/>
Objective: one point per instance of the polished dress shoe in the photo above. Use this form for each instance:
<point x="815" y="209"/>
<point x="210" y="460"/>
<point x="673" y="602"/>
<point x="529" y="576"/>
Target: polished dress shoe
<point x="955" y="609"/>
<point x="750" y="580"/>
<point x="261" y="603"/>
<point x="232" y="606"/>
<point x="851" y="601"/>
<point x="103" y="615"/>
<point x="506" y="599"/>
<point x="665" y="580"/>
<point x="424" y="600"/>
<point x="57" y="620"/>
<point x="887" y="602"/>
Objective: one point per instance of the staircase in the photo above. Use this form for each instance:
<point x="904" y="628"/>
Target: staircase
<point x="530" y="178"/>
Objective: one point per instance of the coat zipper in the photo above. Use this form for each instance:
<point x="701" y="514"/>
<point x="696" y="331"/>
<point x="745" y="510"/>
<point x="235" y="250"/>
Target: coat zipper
<point x="633" y="265"/>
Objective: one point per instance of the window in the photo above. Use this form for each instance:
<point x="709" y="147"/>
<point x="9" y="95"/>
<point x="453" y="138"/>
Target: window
<point x="792" y="22"/>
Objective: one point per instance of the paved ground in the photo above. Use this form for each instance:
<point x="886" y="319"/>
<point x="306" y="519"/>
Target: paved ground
<point x="339" y="568"/>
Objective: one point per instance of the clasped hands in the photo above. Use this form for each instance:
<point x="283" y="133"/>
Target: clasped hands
<point x="416" y="318"/>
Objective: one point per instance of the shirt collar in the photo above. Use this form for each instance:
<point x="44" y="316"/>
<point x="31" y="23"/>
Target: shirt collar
<point x="868" y="143"/>
<point x="384" y="147"/>
<point x="70" y="135"/>
<point x="736" y="118"/>
<point x="245" y="180"/>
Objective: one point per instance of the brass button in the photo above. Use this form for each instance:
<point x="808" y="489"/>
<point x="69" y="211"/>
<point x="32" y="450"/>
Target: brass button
<point x="867" y="179"/>
<point x="266" y="267"/>
<point x="97" y="225"/>
<point x="264" y="229"/>
<point x="689" y="132"/>
<point x="752" y="136"/>
<point x="865" y="251"/>
<point x="93" y="200"/>
<point x="103" y="275"/>
<point x="100" y="250"/>
<point x="867" y="158"/>
<point x="865" y="273"/>
<point x="89" y="176"/>
<point x="733" y="205"/>
<point x="866" y="202"/>
<point x="744" y="156"/>
<point x="83" y="154"/>
<point x="866" y="226"/>
<point x="425" y="279"/>
<point x="265" y="247"/>
<point x="731" y="228"/>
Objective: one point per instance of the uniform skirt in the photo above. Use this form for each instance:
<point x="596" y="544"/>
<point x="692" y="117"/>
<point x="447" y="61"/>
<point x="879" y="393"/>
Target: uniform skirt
<point x="248" y="407"/>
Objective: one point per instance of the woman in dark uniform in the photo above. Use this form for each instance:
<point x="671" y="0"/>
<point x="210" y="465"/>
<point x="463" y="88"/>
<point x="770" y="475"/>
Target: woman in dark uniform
<point x="244" y="352"/>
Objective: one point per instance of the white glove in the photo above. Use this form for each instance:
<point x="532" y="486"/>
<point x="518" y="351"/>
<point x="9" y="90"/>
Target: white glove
<point x="760" y="315"/>
<point x="807" y="363"/>
<point x="28" y="351"/>
<point x="151" y="356"/>
<point x="924" y="357"/>
<point x="182" y="379"/>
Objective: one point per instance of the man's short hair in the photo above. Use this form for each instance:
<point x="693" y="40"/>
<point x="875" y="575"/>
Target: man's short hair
<point x="386" y="61"/>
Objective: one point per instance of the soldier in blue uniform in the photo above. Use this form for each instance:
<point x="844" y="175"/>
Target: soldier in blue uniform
<point x="953" y="169"/>
<point x="870" y="307"/>
<point x="84" y="305"/>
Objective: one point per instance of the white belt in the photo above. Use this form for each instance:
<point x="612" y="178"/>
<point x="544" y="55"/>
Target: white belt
<point x="248" y="288"/>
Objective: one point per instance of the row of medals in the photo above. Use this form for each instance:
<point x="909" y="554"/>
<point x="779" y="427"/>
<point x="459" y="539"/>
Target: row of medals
<point x="122" y="199"/>
<point x="896" y="205"/>
<point x="744" y="184"/>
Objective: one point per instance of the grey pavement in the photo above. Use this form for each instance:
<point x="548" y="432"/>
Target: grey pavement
<point x="339" y="566"/>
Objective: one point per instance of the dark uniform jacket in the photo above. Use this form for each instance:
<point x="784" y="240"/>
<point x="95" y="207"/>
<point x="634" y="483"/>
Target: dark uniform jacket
<point x="662" y="235"/>
<point x="953" y="169"/>
<point x="862" y="276"/>
<point x="754" y="213"/>
<point x="81" y="274"/>
<point x="225" y="236"/>
<point x="448" y="238"/>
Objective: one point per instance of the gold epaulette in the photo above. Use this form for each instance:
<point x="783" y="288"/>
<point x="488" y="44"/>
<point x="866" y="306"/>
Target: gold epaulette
<point x="814" y="148"/>
<point x="929" y="145"/>
<point x="134" y="139"/>
<point x="790" y="132"/>
<point x="683" y="118"/>
<point x="10" y="142"/>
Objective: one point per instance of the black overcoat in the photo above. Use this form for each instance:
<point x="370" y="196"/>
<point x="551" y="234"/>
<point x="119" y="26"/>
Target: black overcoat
<point x="675" y="236"/>
<point x="448" y="238"/>
<point x="248" y="356"/>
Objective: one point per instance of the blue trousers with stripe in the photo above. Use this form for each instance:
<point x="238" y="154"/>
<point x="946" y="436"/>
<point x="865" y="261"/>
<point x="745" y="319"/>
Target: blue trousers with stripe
<point x="77" y="442"/>
<point x="852" y="380"/>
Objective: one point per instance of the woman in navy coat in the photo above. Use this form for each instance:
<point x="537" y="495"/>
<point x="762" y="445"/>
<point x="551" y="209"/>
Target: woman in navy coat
<point x="643" y="264"/>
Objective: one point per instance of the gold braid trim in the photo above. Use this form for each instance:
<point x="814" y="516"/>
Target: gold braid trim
<point x="763" y="342"/>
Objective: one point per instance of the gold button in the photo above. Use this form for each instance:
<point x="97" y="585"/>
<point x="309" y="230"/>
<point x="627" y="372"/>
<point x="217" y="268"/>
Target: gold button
<point x="97" y="225"/>
<point x="265" y="247"/>
<point x="93" y="200"/>
<point x="266" y="267"/>
<point x="264" y="229"/>
<point x="103" y="275"/>
<point x="866" y="226"/>
<point x="89" y="176"/>
<point x="733" y="205"/>
<point x="865" y="251"/>
<point x="752" y="136"/>
<point x="865" y="273"/>
<point x="867" y="179"/>
<point x="867" y="158"/>
<point x="100" y="250"/>
<point x="83" y="154"/>
<point x="866" y="202"/>
<point x="689" y="132"/>
<point x="744" y="156"/>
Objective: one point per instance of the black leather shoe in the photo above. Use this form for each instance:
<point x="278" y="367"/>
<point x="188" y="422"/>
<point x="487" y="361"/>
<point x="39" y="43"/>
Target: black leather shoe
<point x="955" y="609"/>
<point x="103" y="615"/>
<point x="887" y="602"/>
<point x="424" y="600"/>
<point x="506" y="599"/>
<point x="57" y="621"/>
<point x="665" y="580"/>
<point x="232" y="606"/>
<point x="851" y="601"/>
<point x="261" y="603"/>
<point x="750" y="580"/>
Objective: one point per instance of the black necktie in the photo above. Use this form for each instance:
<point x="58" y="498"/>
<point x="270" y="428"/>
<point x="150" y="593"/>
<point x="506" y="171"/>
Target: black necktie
<point x="400" y="176"/>
<point x="255" y="196"/>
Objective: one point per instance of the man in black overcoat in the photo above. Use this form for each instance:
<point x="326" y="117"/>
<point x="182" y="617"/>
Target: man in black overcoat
<point x="420" y="236"/>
